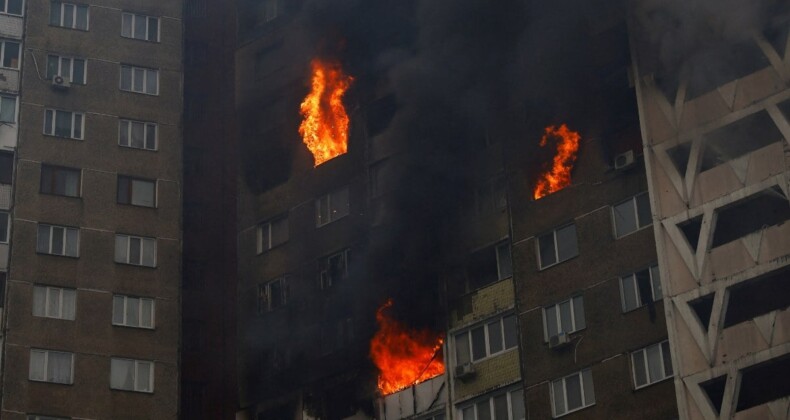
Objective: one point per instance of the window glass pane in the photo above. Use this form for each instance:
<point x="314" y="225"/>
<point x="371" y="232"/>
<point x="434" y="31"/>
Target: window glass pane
<point x="500" y="407"/>
<point x="667" y="359"/>
<point x="149" y="252"/>
<point x="139" y="27"/>
<point x="147" y="313"/>
<point x="39" y="300"/>
<point x="143" y="376"/>
<point x="63" y="124"/>
<point x="495" y="337"/>
<point x="82" y="17"/>
<point x="134" y="250"/>
<point x="3" y="226"/>
<point x="656" y="279"/>
<point x="126" y="25"/>
<point x="48" y="115"/>
<point x="132" y="312"/>
<point x="72" y="242"/>
<point x="589" y="389"/>
<point x="546" y="248"/>
<point x="150" y="136"/>
<point x="15" y="7"/>
<point x="551" y="322"/>
<point x="117" y="310"/>
<point x="37" y="365"/>
<point x="121" y="374"/>
<point x="68" y="15"/>
<point x="52" y="66"/>
<point x="639" y="368"/>
<point x="468" y="413"/>
<point x="558" y="393"/>
<point x="462" y="349"/>
<point x="483" y="410"/>
<point x="8" y="109"/>
<point x="57" y="240"/>
<point x="59" y="367"/>
<point x="123" y="130"/>
<point x="121" y="247"/>
<point x="654" y="372"/>
<point x="42" y="244"/>
<point x="517" y="404"/>
<point x="503" y="257"/>
<point x="478" y="343"/>
<point x="11" y="55"/>
<point x="79" y="72"/>
<point x="53" y="303"/>
<point x="566" y="243"/>
<point x="629" y="293"/>
<point x="77" y="126"/>
<point x="54" y="13"/>
<point x="643" y="287"/>
<point x="126" y="78"/>
<point x="578" y="312"/>
<point x="143" y="193"/>
<point x="511" y="334"/>
<point x="65" y="68"/>
<point x="152" y="82"/>
<point x="643" y="210"/>
<point x="566" y="318"/>
<point x="624" y="218"/>
<point x="69" y="303"/>
<point x="124" y="185"/>
<point x="339" y="202"/>
<point x="573" y="389"/>
<point x="138" y="76"/>
<point x="72" y="183"/>
<point x="153" y="29"/>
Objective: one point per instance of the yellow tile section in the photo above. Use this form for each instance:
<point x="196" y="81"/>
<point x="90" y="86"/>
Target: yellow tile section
<point x="486" y="302"/>
<point x="490" y="374"/>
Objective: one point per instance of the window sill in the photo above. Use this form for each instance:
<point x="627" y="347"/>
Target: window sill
<point x="139" y="93"/>
<point x="9" y="68"/>
<point x="70" y="28"/>
<point x="64" y="137"/>
<point x="641" y="387"/>
<point x="573" y="411"/>
<point x="60" y="195"/>
<point x="132" y="390"/>
<point x="137" y="206"/>
<point x="134" y="265"/>
<point x="141" y="40"/>
<point x="52" y="317"/>
<point x="11" y="14"/>
<point x="134" y="328"/>
<point x="640" y="307"/>
<point x="317" y="226"/>
<point x="268" y="250"/>
<point x="557" y="263"/>
<point x="571" y="335"/>
<point x="632" y="232"/>
<point x="73" y="257"/>
<point x="51" y="382"/>
<point x="138" y="148"/>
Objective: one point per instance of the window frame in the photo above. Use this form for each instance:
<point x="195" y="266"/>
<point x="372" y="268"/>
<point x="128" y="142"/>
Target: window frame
<point x="140" y="300"/>
<point x="46" y="365"/>
<point x="330" y="215"/>
<point x="574" y="322"/>
<point x="467" y="331"/>
<point x="489" y="397"/>
<point x="345" y="253"/>
<point x="129" y="247"/>
<point x="145" y="70"/>
<point x="632" y="277"/>
<point x="646" y="365"/>
<point x="53" y="120"/>
<point x="21" y="11"/>
<point x="71" y="59"/>
<point x="585" y="403"/>
<point x="76" y="6"/>
<point x="146" y="125"/>
<point x="134" y="17"/>
<point x="265" y="298"/>
<point x="130" y="192"/>
<point x="136" y="363"/>
<point x="261" y="246"/>
<point x="635" y="209"/>
<point x="61" y="297"/>
<point x="55" y="169"/>
<point x="553" y="232"/>
<point x="65" y="239"/>
<point x="3" y="42"/>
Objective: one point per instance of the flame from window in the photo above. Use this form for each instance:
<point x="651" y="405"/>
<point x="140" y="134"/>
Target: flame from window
<point x="559" y="176"/>
<point x="404" y="356"/>
<point x="324" y="128"/>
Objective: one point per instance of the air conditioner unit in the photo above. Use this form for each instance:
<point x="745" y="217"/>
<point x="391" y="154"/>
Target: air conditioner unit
<point x="558" y="341"/>
<point x="60" y="82"/>
<point x="464" y="371"/>
<point x="624" y="160"/>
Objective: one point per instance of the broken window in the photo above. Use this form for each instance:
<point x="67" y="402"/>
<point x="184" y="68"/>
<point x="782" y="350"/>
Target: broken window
<point x="333" y="268"/>
<point x="713" y="67"/>
<point x="751" y="214"/>
<point x="557" y="246"/>
<point x="380" y="113"/>
<point x="273" y="294"/>
<point x="640" y="288"/>
<point x="752" y="298"/>
<point x="632" y="215"/>
<point x="272" y="233"/>
<point x="489" y="265"/>
<point x="332" y="207"/>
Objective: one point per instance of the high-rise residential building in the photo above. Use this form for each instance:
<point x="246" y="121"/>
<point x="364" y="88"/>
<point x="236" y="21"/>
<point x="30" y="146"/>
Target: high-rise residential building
<point x="92" y="100"/>
<point x="714" y="107"/>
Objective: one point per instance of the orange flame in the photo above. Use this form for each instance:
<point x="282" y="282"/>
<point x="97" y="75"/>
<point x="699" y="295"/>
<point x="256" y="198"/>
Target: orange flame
<point x="559" y="176"/>
<point x="324" y="128"/>
<point x="405" y="357"/>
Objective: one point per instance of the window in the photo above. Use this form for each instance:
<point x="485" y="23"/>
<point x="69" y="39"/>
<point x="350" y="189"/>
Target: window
<point x="7" y="108"/>
<point x="135" y="250"/>
<point x="141" y="27"/>
<point x="632" y="215"/>
<point x="137" y="134"/>
<point x="64" y="124"/>
<point x="54" y="302"/>
<point x="640" y="288"/>
<point x="51" y="366"/>
<point x="58" y="240"/>
<point x="132" y="375"/>
<point x="71" y="69"/>
<point x="331" y="207"/>
<point x="572" y="393"/>
<point x="6" y="167"/>
<point x="137" y="192"/>
<point x="487" y="339"/>
<point x="507" y="405"/>
<point x="271" y="234"/>
<point x="5" y="223"/>
<point x="132" y="311"/>
<point x="9" y="54"/>
<point x="651" y="364"/>
<point x="11" y="7"/>
<point x="67" y="15"/>
<point x="139" y="80"/>
<point x="333" y="268"/>
<point x="272" y="294"/>
<point x="58" y="180"/>
<point x="564" y="317"/>
<point x="557" y="246"/>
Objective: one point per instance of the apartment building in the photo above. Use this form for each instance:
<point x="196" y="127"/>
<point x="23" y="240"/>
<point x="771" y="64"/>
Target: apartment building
<point x="91" y="316"/>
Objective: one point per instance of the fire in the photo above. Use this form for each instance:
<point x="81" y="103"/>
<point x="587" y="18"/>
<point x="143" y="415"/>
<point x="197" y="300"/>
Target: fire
<point x="559" y="176"/>
<point x="324" y="128"/>
<point x="404" y="356"/>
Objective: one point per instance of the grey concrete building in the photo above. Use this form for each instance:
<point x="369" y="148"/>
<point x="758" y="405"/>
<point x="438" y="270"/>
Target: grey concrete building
<point x="91" y="317"/>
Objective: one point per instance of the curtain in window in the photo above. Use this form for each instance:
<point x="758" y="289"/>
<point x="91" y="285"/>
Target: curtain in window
<point x="59" y="367"/>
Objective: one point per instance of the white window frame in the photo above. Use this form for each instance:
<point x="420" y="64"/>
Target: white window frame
<point x="655" y="287"/>
<point x="136" y="375"/>
<point x="585" y="403"/>
<point x="59" y="71"/>
<point x="146" y="126"/>
<point x="145" y="70"/>
<point x="487" y="337"/>
<point x="7" y="216"/>
<point x="74" y="16"/>
<point x="134" y="17"/>
<point x="6" y="12"/>
<point x="331" y="216"/>
<point x="264" y="234"/>
<point x="143" y="240"/>
<point x="646" y="365"/>
<point x="265" y="289"/>
<point x="556" y="246"/>
<point x="558" y="317"/>
<point x="489" y="398"/>
<point x="125" y="322"/>
<point x="65" y="238"/>
<point x="53" y="118"/>
<point x="635" y="209"/>
<point x="46" y="365"/>
<point x="324" y="280"/>
<point x="49" y="291"/>
<point x="3" y="42"/>
<point x="131" y="180"/>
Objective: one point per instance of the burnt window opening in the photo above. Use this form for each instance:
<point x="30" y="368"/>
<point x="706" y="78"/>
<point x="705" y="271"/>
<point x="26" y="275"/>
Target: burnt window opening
<point x="714" y="390"/>
<point x="751" y="214"/>
<point x="756" y="297"/>
<point x="703" y="307"/>
<point x="333" y="268"/>
<point x="714" y="67"/>
<point x="764" y="383"/>
<point x="490" y="196"/>
<point x="380" y="113"/>
<point x="489" y="265"/>
<point x="738" y="139"/>
<point x="273" y="294"/>
<point x="679" y="155"/>
<point x="691" y="230"/>
<point x="6" y="167"/>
